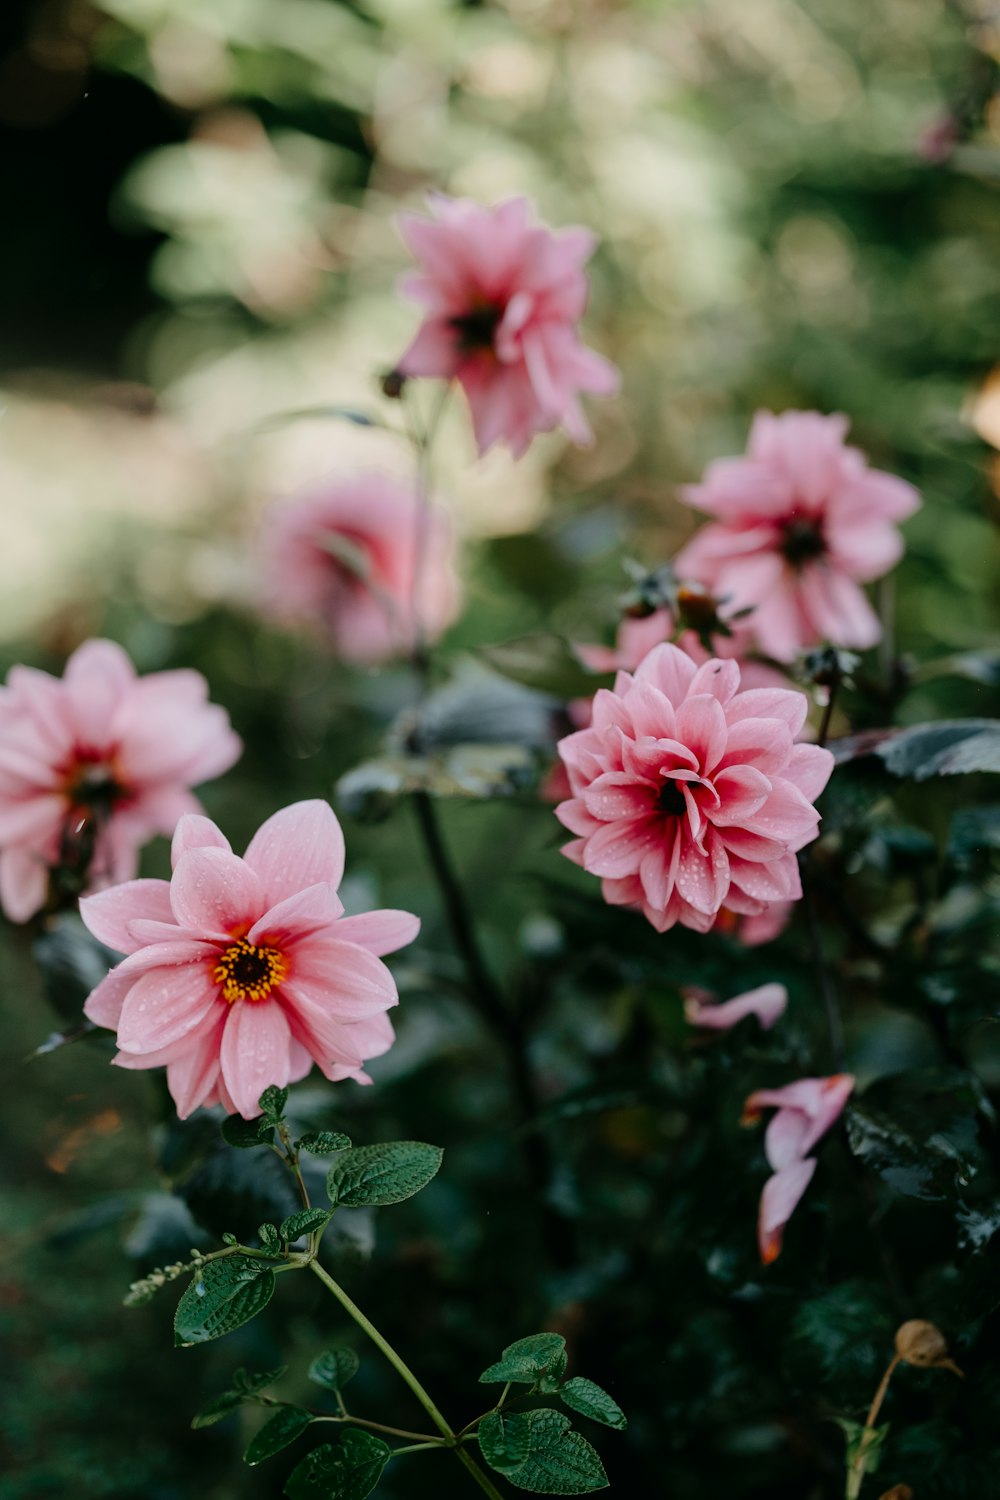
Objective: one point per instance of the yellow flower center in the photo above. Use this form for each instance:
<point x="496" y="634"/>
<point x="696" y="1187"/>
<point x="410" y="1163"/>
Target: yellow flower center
<point x="249" y="973"/>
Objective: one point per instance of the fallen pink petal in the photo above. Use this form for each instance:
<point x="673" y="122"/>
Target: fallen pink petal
<point x="768" y="1003"/>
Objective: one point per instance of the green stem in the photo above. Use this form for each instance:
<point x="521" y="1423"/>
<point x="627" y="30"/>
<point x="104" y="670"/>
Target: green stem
<point x="402" y="1432"/>
<point x="403" y="1370"/>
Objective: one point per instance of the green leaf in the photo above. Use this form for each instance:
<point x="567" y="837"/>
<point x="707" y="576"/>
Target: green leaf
<point x="367" y="1176"/>
<point x="251" y="1384"/>
<point x="246" y="1133"/>
<point x="948" y="747"/>
<point x="324" y="1142"/>
<point x="304" y="1222"/>
<point x="222" y="1296"/>
<point x="505" y="1440"/>
<point x="334" y="1368"/>
<point x="272" y="1103"/>
<point x="288" y="1423"/>
<point x="348" y="1470"/>
<point x="590" y="1401"/>
<point x="526" y="1360"/>
<point x="552" y="1377"/>
<point x="230" y="1239"/>
<point x="213" y="1411"/>
<point x="270" y="1240"/>
<point x="558" y="1461"/>
<point x="863" y="1442"/>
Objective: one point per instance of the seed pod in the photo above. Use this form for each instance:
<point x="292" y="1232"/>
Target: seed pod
<point x="922" y="1344"/>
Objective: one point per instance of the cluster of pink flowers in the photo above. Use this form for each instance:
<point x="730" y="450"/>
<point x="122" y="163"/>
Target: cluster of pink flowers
<point x="805" y="1111"/>
<point x="364" y="560"/>
<point x="242" y="973"/>
<point x="800" y="522"/>
<point x="690" y="795"/>
<point x="95" y="764"/>
<point x="502" y="298"/>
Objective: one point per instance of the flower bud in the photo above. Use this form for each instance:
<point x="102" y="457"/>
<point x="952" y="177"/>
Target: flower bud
<point x="393" y="382"/>
<point x="922" y="1344"/>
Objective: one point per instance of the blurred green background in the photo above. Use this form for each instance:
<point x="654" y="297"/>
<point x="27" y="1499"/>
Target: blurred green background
<point x="798" y="205"/>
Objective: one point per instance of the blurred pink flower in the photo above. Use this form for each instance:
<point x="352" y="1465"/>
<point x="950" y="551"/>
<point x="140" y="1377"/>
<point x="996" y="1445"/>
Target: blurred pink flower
<point x="94" y="764"/>
<point x="342" y="556"/>
<point x="636" y="638"/>
<point x="767" y="1003"/>
<point x="503" y="296"/>
<point x="689" y="794"/>
<point x="754" y="929"/>
<point x="805" y="1111"/>
<point x="241" y="973"/>
<point x="801" y="520"/>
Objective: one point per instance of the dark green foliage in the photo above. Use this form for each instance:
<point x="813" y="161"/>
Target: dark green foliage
<point x="221" y="1297"/>
<point x="540" y="1452"/>
<point x="347" y="1470"/>
<point x="528" y="1359"/>
<point x="279" y="1431"/>
<point x="369" y="1176"/>
<point x="334" y="1368"/>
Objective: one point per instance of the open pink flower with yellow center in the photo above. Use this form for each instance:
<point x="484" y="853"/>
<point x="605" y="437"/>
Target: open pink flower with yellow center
<point x="359" y="558"/>
<point x="503" y="296"/>
<point x="242" y="973"/>
<point x="805" y="1111"/>
<point x="690" y="795"/>
<point x="800" y="522"/>
<point x="94" y="764"/>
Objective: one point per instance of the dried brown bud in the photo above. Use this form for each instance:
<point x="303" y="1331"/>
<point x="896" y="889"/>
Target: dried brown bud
<point x="920" y="1343"/>
<point x="392" y="384"/>
<point x="898" y="1492"/>
<point x="697" y="608"/>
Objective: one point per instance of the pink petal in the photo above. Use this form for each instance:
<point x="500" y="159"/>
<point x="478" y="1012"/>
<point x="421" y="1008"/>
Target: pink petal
<point x="809" y="768"/>
<point x="769" y="703"/>
<point x="35" y="819"/>
<point x="719" y="678"/>
<point x="98" y="676"/>
<point x="765" y="744"/>
<point x="164" y="1005"/>
<point x="767" y="1003"/>
<point x="669" y="669"/>
<point x="618" y="795"/>
<point x="299" y="846"/>
<point x="297" y="917"/>
<point x="108" y="915"/>
<point x="192" y="1078"/>
<point x="256" y="1052"/>
<point x="778" y="1202"/>
<point x="703" y="877"/>
<point x="742" y="791"/>
<point x="777" y="880"/>
<point x="347" y="981"/>
<point x="617" y="849"/>
<point x="379" y="931"/>
<point x="194" y="831"/>
<point x="215" y="893"/>
<point x="24" y="883"/>
<point x="701" y="724"/>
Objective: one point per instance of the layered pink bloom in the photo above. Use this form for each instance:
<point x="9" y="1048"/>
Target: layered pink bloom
<point x="689" y="794"/>
<point x="503" y="296"/>
<point x="800" y="522"/>
<point x="767" y="1003"/>
<point x="242" y="973"/>
<point x="805" y="1111"/>
<point x="94" y="764"/>
<point x="343" y="556"/>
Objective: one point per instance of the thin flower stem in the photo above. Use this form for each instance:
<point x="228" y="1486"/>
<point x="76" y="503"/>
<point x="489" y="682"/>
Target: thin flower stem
<point x="415" y="1448"/>
<point x="856" y="1472"/>
<point x="403" y="1370"/>
<point x="424" y="1438"/>
<point x="292" y="1158"/>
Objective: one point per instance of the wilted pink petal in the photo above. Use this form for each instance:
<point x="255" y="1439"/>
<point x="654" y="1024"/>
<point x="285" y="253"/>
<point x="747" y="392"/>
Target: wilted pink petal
<point x="779" y="1200"/>
<point x="800" y="522"/>
<point x="343" y="557"/>
<point x="94" y="764"/>
<point x="503" y="296"/>
<point x="679" y="798"/>
<point x="766" y="1003"/>
<point x="250" y="974"/>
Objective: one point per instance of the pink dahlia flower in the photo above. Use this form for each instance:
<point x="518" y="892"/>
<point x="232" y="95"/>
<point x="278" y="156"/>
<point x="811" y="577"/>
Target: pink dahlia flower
<point x="688" y="794"/>
<point x="344" y="556"/>
<point x="800" y="522"/>
<point x="768" y="1003"/>
<point x="242" y="973"/>
<point x="805" y="1111"/>
<point x="94" y="764"/>
<point x="502" y="298"/>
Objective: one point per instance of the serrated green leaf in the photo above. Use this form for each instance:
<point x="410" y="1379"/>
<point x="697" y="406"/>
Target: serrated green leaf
<point x="587" y="1398"/>
<point x="304" y="1222"/>
<point x="214" y="1411"/>
<point x="334" y="1368"/>
<point x="348" y="1470"/>
<point x="505" y="1440"/>
<point x="230" y="1239"/>
<point x="324" y="1142"/>
<point x="222" y="1296"/>
<point x="552" y="1377"/>
<point x="526" y="1360"/>
<point x="244" y="1134"/>
<point x="558" y="1462"/>
<point x="272" y="1103"/>
<point x="288" y="1423"/>
<point x="270" y="1240"/>
<point x="369" y="1176"/>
